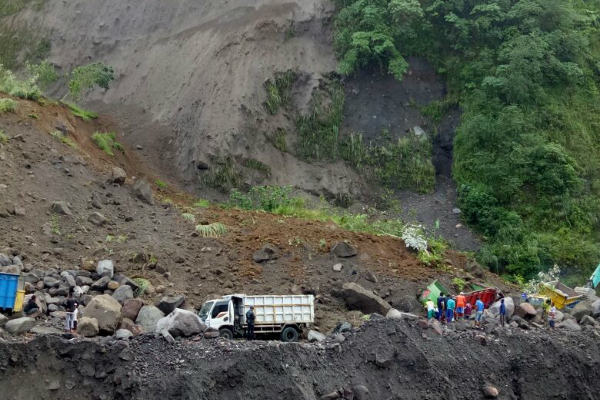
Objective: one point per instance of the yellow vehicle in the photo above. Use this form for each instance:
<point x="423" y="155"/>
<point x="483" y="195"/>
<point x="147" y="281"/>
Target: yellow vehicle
<point x="560" y="294"/>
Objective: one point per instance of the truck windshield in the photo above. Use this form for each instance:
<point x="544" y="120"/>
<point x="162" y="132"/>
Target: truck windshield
<point x="204" y="310"/>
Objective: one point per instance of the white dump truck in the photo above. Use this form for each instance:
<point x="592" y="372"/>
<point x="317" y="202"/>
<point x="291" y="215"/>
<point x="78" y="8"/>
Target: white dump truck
<point x="286" y="315"/>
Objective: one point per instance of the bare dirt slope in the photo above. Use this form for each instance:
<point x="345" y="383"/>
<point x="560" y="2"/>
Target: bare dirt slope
<point x="384" y="360"/>
<point x="190" y="73"/>
<point x="156" y="242"/>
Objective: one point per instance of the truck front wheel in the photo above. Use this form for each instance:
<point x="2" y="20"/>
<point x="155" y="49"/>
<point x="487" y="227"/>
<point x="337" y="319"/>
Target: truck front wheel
<point x="289" y="334"/>
<point x="226" y="333"/>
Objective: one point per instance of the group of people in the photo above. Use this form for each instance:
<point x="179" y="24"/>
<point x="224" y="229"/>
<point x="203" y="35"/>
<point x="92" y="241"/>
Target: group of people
<point x="450" y="308"/>
<point x="71" y="305"/>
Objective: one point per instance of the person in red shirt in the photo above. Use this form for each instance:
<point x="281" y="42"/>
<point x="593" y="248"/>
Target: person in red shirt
<point x="460" y="305"/>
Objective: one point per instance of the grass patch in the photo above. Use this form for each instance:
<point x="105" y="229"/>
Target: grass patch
<point x="7" y="105"/>
<point x="278" y="140"/>
<point x="80" y="112"/>
<point x="3" y="137"/>
<point x="279" y="91"/>
<point x="201" y="203"/>
<point x="160" y="184"/>
<point x="143" y="285"/>
<point x="223" y="176"/>
<point x="189" y="217"/>
<point x="22" y="88"/>
<point x="106" y="142"/>
<point x="58" y="135"/>
<point x="33" y="116"/>
<point x="257" y="165"/>
<point x="213" y="230"/>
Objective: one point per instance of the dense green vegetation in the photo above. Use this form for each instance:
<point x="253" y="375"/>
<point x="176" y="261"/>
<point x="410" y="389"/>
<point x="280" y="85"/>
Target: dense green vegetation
<point x="88" y="76"/>
<point x="107" y="142"/>
<point x="527" y="151"/>
<point x="7" y="105"/>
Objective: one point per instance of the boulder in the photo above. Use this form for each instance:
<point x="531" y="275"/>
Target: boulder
<point x="3" y="320"/>
<point x="148" y="317"/>
<point x="343" y="249"/>
<point x="68" y="279"/>
<point x="131" y="326"/>
<point x="508" y="303"/>
<point x="395" y="314"/>
<point x="359" y="298"/>
<point x="569" y="324"/>
<point x="118" y="176"/>
<point x="559" y="316"/>
<point x="521" y="322"/>
<point x="266" y="253"/>
<point x="123" y="293"/>
<point x="526" y="310"/>
<point x="106" y="310"/>
<point x="588" y="320"/>
<point x="343" y="327"/>
<point x="51" y="282"/>
<point x="19" y="325"/>
<point x="405" y="303"/>
<point x="581" y="309"/>
<point x="143" y="191"/>
<point x="106" y="268"/>
<point x="315" y="336"/>
<point x="181" y="323"/>
<point x="60" y="207"/>
<point x="84" y="281"/>
<point x="97" y="219"/>
<point x="131" y="308"/>
<point x="169" y="303"/>
<point x="123" y="334"/>
<point x="595" y="307"/>
<point x="5" y="260"/>
<point x="101" y="284"/>
<point x="87" y="327"/>
<point x="113" y="285"/>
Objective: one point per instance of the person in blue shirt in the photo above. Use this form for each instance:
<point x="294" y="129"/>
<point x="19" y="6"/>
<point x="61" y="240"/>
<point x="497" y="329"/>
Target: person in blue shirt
<point x="450" y="304"/>
<point x="441" y="303"/>
<point x="479" y="306"/>
<point x="502" y="312"/>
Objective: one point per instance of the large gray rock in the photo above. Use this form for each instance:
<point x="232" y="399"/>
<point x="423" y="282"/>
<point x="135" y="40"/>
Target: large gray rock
<point x="588" y="320"/>
<point x="118" y="176"/>
<point x="395" y="314"/>
<point x="359" y="298"/>
<point x="88" y="327"/>
<point x="101" y="284"/>
<point x="405" y="303"/>
<point x="51" y="282"/>
<point x="19" y="325"/>
<point x="68" y="279"/>
<point x="143" y="191"/>
<point x="123" y="293"/>
<point x="344" y="250"/>
<point x="180" y="323"/>
<point x="148" y="317"/>
<point x="3" y="320"/>
<point x="106" y="310"/>
<point x="314" y="336"/>
<point x="510" y="307"/>
<point x="266" y="253"/>
<point x="131" y="308"/>
<point x="595" y="307"/>
<point x="526" y="310"/>
<point x="569" y="324"/>
<point x="61" y="207"/>
<point x="83" y="280"/>
<point x="4" y="260"/>
<point x="169" y="303"/>
<point x="97" y="219"/>
<point x="106" y="268"/>
<point x="581" y="310"/>
<point x="123" y="334"/>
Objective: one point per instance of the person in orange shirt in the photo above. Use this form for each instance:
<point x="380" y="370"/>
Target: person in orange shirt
<point x="460" y="305"/>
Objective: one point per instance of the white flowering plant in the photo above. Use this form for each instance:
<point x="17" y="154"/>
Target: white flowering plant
<point x="414" y="238"/>
<point x="543" y="276"/>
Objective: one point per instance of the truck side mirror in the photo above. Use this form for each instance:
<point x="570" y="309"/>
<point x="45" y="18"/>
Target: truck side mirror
<point x="226" y="319"/>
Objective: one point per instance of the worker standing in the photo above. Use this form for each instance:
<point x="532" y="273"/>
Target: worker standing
<point x="450" y="305"/>
<point x="70" y="308"/>
<point x="552" y="316"/>
<point x="430" y="309"/>
<point x="250" y="318"/>
<point x="479" y="306"/>
<point x="441" y="303"/>
<point x="460" y="305"/>
<point x="502" y="312"/>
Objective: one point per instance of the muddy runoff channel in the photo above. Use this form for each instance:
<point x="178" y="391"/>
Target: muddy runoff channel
<point x="385" y="359"/>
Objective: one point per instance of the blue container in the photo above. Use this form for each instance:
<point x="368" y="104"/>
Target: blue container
<point x="8" y="290"/>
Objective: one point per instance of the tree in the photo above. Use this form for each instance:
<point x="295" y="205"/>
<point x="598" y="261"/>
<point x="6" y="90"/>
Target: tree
<point x="86" y="77"/>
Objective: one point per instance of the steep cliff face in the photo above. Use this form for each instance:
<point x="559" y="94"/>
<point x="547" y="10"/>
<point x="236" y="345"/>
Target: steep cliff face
<point x="190" y="76"/>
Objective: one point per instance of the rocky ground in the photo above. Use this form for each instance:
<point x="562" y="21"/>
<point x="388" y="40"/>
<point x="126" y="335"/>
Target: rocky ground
<point x="384" y="359"/>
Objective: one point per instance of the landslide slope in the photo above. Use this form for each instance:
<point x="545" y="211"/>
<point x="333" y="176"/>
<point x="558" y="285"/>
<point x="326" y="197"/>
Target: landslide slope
<point x="190" y="75"/>
<point x="154" y="241"/>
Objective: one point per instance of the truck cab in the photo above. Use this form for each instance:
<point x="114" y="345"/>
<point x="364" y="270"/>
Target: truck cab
<point x="286" y="315"/>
